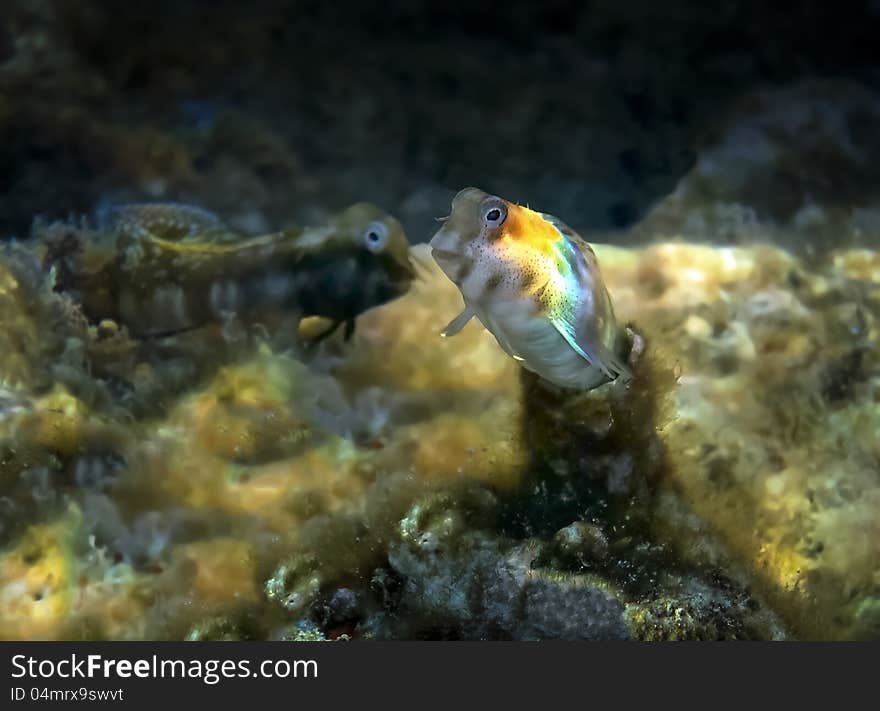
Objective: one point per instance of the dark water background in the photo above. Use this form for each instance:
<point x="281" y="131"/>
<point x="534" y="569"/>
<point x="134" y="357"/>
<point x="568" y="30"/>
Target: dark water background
<point x="277" y="112"/>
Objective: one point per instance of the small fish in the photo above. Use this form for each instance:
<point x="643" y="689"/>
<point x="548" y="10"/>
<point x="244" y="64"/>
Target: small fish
<point x="535" y="284"/>
<point x="168" y="268"/>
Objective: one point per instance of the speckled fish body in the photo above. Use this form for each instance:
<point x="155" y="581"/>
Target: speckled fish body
<point x="535" y="285"/>
<point x="176" y="267"/>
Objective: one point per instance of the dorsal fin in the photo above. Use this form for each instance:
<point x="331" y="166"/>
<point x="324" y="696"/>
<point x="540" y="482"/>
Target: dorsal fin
<point x="174" y="222"/>
<point x="244" y="247"/>
<point x="153" y="254"/>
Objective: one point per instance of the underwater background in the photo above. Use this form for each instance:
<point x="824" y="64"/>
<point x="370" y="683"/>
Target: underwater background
<point x="188" y="452"/>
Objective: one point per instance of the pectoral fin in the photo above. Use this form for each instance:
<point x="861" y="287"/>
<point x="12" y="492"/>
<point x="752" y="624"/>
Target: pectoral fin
<point x="595" y="354"/>
<point x="458" y="323"/>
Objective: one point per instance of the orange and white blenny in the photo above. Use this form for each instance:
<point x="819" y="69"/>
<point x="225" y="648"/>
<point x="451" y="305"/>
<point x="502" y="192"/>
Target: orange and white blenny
<point x="535" y="284"/>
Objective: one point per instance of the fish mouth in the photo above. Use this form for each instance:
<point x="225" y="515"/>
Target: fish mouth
<point x="402" y="276"/>
<point x="446" y="248"/>
<point x="386" y="287"/>
<point x="405" y="268"/>
<point x="449" y="245"/>
<point x="440" y="253"/>
<point x="448" y="261"/>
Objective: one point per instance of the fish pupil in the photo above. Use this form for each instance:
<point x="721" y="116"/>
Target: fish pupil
<point x="493" y="214"/>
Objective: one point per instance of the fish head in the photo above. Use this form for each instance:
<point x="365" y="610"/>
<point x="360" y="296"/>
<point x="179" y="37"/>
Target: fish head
<point x="490" y="247"/>
<point x="381" y="248"/>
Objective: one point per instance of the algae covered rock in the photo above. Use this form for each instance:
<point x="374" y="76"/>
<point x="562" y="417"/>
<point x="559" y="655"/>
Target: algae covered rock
<point x="791" y="163"/>
<point x="461" y="580"/>
<point x="55" y="583"/>
<point x="776" y="365"/>
<point x="408" y="486"/>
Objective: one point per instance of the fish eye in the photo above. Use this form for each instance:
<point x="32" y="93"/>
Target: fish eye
<point x="376" y="236"/>
<point x="494" y="214"/>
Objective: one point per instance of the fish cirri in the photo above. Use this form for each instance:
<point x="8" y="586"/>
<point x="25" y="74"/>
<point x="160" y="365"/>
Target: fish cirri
<point x="535" y="284"/>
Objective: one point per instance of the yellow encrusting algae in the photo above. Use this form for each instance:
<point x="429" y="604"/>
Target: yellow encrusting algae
<point x="182" y="517"/>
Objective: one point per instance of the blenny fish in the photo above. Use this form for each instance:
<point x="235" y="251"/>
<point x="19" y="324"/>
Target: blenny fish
<point x="165" y="268"/>
<point x="535" y="284"/>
